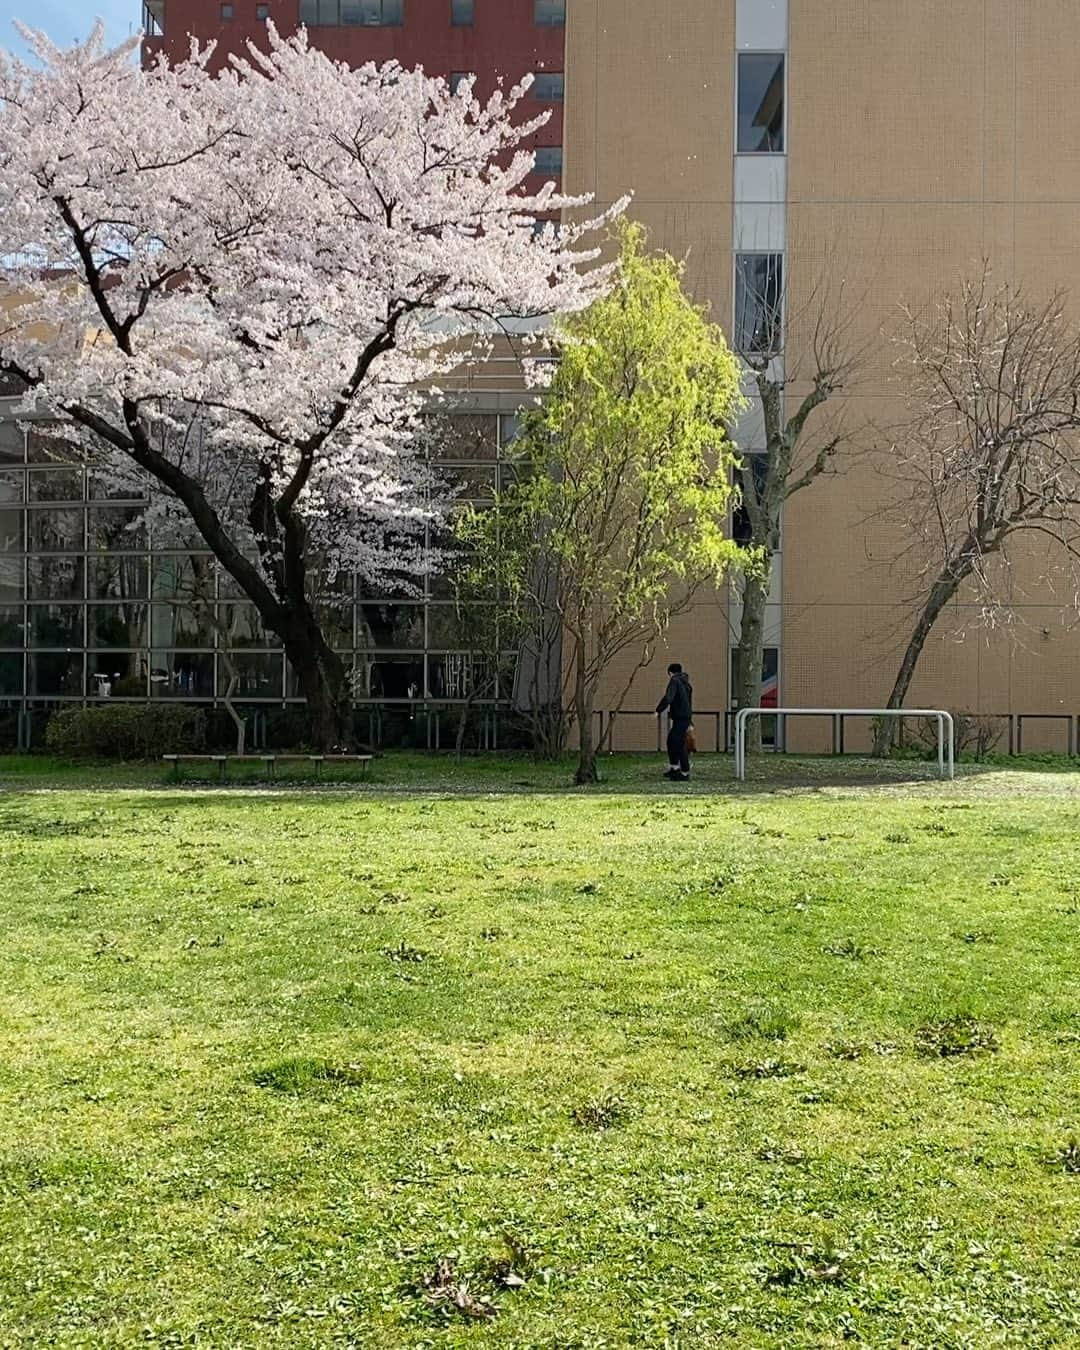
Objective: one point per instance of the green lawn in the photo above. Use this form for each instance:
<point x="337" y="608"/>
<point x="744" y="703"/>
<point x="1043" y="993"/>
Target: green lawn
<point x="463" y="1057"/>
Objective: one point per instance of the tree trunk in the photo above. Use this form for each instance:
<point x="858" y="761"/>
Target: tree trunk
<point x="321" y="676"/>
<point x="587" y="771"/>
<point x="238" y="722"/>
<point x="583" y="711"/>
<point x="543" y="703"/>
<point x="941" y="593"/>
<point x="750" y="653"/>
<point x="462" y="728"/>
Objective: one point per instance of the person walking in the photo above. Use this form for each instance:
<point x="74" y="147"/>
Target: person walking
<point x="678" y="703"/>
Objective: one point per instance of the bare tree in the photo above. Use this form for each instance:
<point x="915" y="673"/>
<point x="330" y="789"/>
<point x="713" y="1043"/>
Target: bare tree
<point x="990" y="450"/>
<point x="799" y="445"/>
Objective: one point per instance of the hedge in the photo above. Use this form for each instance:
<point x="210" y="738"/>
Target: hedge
<point x="126" y="731"/>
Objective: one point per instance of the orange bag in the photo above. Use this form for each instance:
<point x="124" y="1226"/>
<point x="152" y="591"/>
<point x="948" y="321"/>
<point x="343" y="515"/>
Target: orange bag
<point x="691" y="741"/>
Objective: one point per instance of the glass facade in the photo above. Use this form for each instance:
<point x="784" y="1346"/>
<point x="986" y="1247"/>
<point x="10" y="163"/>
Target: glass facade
<point x="92" y="606"/>
<point x="367" y="13"/>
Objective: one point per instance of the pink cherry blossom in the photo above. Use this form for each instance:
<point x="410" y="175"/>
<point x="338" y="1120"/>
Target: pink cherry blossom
<point x="242" y="284"/>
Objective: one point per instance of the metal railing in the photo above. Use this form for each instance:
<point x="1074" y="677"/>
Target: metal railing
<point x="946" y="731"/>
<point x="434" y="725"/>
<point x="721" y="720"/>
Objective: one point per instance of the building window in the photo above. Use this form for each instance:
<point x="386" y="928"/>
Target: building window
<point x="153" y="18"/>
<point x="262" y="12"/>
<point x="549" y="86"/>
<point x="550" y="13"/>
<point x="749" y="479"/>
<point x="549" y="159"/>
<point x="226" y="11"/>
<point x="457" y="79"/>
<point x="759" y="303"/>
<point x="461" y="13"/>
<point x="761" y="103"/>
<point x="353" y="13"/>
<point x="770" y="692"/>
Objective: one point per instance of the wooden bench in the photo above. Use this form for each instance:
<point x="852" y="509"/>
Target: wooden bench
<point x="270" y="761"/>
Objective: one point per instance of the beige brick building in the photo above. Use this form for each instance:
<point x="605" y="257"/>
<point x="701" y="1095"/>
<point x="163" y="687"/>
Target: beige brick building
<point x="913" y="141"/>
<point x="891" y="145"/>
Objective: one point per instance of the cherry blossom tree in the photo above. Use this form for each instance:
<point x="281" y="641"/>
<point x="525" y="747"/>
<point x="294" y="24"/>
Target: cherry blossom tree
<point x="280" y="257"/>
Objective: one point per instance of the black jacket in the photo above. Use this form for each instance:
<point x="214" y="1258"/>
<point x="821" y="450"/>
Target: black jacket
<point x="679" y="699"/>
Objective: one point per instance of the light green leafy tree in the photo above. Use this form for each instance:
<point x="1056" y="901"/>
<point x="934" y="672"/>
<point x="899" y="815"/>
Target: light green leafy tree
<point x="502" y="584"/>
<point x="626" y="508"/>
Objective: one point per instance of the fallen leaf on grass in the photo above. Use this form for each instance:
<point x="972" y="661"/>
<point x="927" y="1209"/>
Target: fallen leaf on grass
<point x="443" y="1288"/>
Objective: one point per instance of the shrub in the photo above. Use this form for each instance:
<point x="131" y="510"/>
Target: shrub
<point x="126" y="731"/>
<point x="976" y="735"/>
<point x="9" y="731"/>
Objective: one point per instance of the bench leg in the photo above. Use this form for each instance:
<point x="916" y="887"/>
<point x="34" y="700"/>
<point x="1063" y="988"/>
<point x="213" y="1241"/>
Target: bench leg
<point x="222" y="766"/>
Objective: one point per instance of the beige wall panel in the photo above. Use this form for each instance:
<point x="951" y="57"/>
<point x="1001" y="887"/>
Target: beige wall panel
<point x="998" y="39"/>
<point x="948" y="669"/>
<point x="661" y="119"/>
<point x="1044" y="671"/>
<point x="849" y="655"/>
<point x="834" y="552"/>
<point x="1047" y="110"/>
<point x="999" y="237"/>
<point x="1047" y="246"/>
<point x="886" y="100"/>
<point x="1038" y="572"/>
<point x="908" y="253"/>
<point x="826" y="658"/>
<point x="993" y="692"/>
<point x="1039" y="736"/>
<point x="698" y="639"/>
<point x="581" y="108"/>
<point x="825" y="663"/>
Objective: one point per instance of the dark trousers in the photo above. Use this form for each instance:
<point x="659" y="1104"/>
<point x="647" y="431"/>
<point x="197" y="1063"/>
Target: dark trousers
<point x="677" y="752"/>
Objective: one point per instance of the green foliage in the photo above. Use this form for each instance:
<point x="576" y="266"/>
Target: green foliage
<point x="633" y="443"/>
<point x="625" y="516"/>
<point x="126" y="731"/>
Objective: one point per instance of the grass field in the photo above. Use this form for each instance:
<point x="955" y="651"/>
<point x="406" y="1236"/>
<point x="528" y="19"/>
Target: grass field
<point x="462" y="1057"/>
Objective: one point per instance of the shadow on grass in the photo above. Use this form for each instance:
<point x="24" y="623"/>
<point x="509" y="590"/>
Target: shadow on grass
<point x="404" y="774"/>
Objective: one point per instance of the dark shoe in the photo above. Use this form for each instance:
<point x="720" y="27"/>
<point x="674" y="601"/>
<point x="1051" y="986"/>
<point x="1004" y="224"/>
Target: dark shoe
<point x="672" y="775"/>
<point x="681" y="777"/>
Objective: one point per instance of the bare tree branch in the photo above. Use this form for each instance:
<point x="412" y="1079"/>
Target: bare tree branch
<point x="990" y="448"/>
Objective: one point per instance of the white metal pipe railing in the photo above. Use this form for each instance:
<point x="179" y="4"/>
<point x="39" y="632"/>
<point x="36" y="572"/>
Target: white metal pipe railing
<point x="946" y="731"/>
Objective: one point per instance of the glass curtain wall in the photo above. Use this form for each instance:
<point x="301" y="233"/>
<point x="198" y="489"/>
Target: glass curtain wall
<point x="92" y="608"/>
